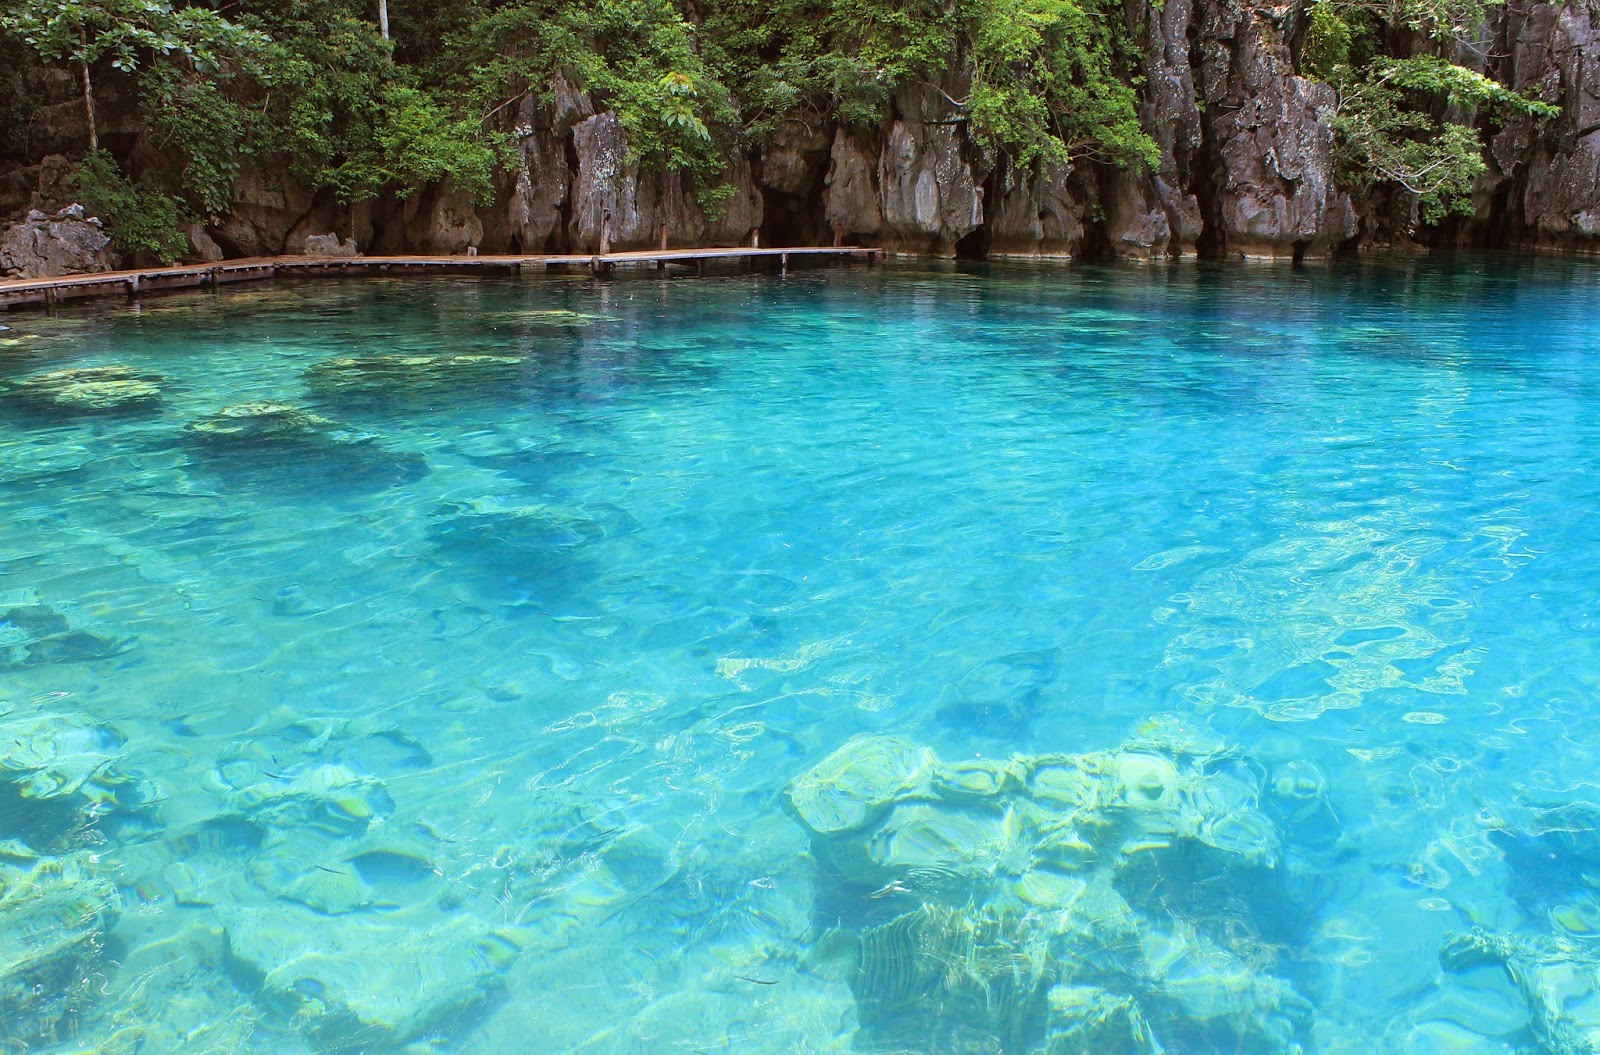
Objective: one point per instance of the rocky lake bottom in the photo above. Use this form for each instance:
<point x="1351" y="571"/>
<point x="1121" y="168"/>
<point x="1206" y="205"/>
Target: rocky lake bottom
<point x="941" y="660"/>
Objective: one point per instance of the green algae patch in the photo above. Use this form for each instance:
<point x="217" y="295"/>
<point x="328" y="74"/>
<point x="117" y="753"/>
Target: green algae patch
<point x="90" y="389"/>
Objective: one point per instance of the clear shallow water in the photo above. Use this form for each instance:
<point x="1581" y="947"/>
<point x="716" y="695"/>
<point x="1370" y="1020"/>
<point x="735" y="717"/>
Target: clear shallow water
<point x="466" y="725"/>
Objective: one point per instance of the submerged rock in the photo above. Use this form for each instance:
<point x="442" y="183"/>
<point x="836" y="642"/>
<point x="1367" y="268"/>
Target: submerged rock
<point x="355" y="983"/>
<point x="1000" y="696"/>
<point x="1054" y="903"/>
<point x="89" y="389"/>
<point x="54" y="917"/>
<point x="1559" y="980"/>
<point x="492" y="524"/>
<point x="408" y="377"/>
<point x="58" y="773"/>
<point x="35" y="634"/>
<point x="269" y="422"/>
<point x="280" y="445"/>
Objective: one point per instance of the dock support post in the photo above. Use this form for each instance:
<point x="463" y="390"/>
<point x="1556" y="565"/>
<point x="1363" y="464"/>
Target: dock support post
<point x="783" y="263"/>
<point x="133" y="287"/>
<point x="216" y="278"/>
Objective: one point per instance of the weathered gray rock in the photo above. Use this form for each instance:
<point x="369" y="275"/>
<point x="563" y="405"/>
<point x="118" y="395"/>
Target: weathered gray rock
<point x="850" y="199"/>
<point x="441" y="218"/>
<point x="201" y="245"/>
<point x="1270" y="144"/>
<point x="266" y="208"/>
<point x="918" y="188"/>
<point x="793" y="158"/>
<point x="1136" y="223"/>
<point x="611" y="192"/>
<point x="932" y="195"/>
<point x="63" y="243"/>
<point x="1037" y="213"/>
<point x="328" y="245"/>
<point x="1544" y="191"/>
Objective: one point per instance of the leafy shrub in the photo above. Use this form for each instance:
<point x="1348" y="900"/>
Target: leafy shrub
<point x="139" y="217"/>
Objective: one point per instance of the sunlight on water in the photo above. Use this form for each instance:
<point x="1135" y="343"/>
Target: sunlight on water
<point x="952" y="662"/>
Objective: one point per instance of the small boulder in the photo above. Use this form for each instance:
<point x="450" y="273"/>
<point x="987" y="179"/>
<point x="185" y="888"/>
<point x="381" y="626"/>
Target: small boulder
<point x="329" y="245"/>
<point x="64" y="243"/>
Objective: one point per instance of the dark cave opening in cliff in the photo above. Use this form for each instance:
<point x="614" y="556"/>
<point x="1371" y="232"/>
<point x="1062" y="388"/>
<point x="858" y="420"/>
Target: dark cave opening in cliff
<point x="974" y="245"/>
<point x="793" y="220"/>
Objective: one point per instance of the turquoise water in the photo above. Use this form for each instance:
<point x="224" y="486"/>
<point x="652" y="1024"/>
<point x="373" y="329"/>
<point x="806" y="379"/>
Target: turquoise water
<point x="494" y="708"/>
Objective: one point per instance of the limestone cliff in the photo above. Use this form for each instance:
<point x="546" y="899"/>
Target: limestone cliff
<point x="1246" y="168"/>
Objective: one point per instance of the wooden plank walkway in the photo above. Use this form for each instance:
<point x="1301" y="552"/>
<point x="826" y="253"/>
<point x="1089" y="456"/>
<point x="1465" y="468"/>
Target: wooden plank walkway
<point x="132" y="284"/>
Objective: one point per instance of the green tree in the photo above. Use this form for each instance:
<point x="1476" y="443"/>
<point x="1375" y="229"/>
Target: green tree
<point x="126" y="33"/>
<point x="1388" y="126"/>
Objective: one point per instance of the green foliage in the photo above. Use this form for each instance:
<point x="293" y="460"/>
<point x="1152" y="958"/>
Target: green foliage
<point x="1384" y="134"/>
<point x="1327" y="42"/>
<point x="139" y="217"/>
<point x="1459" y="85"/>
<point x="418" y="142"/>
<point x="208" y="130"/>
<point x="128" y="33"/>
<point x="639" y="58"/>
<point x="1408" y="121"/>
<point x="1048" y="82"/>
<point x="1051" y="79"/>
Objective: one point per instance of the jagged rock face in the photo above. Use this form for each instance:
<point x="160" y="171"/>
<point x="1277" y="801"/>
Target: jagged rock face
<point x="1159" y="214"/>
<point x="850" y="201"/>
<point x="1271" y="148"/>
<point x="1550" y="175"/>
<point x="65" y="243"/>
<point x="1036" y="213"/>
<point x="441" y="218"/>
<point x="793" y="158"/>
<point x="611" y="190"/>
<point x="919" y="187"/>
<point x="266" y="208"/>
<point x="541" y="187"/>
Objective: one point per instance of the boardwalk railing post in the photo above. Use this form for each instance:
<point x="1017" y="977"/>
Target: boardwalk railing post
<point x="663" y="238"/>
<point x="755" y="238"/>
<point x="605" y="233"/>
<point x="838" y="235"/>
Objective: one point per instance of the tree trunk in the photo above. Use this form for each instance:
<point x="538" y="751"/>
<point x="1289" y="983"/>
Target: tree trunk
<point x="383" y="18"/>
<point x="88" y="91"/>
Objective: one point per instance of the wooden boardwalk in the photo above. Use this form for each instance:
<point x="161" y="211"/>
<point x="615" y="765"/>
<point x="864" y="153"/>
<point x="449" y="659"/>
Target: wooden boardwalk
<point x="132" y="284"/>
